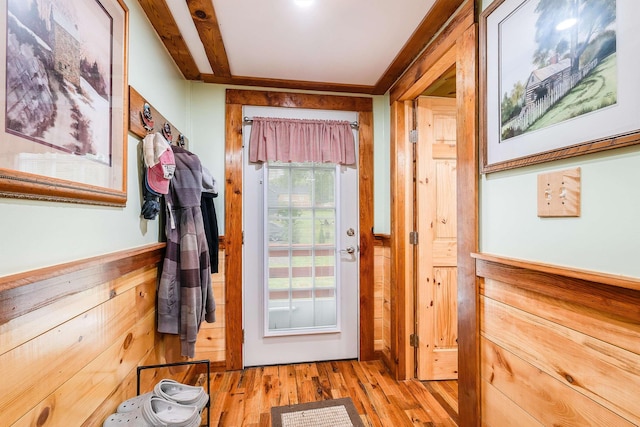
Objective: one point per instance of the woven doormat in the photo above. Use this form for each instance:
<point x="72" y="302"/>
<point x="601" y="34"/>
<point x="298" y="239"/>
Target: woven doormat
<point x="326" y="413"/>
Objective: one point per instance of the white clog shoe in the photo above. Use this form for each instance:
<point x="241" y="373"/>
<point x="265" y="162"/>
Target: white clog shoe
<point x="171" y="391"/>
<point x="156" y="412"/>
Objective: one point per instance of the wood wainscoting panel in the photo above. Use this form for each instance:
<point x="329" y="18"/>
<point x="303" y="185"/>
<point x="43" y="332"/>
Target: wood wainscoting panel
<point x="79" y="398"/>
<point x="547" y="399"/>
<point x="498" y="410"/>
<point x="386" y="309"/>
<point x="30" y="325"/>
<point x="211" y="338"/>
<point x="39" y="366"/>
<point x="382" y="294"/>
<point x="72" y="335"/>
<point x="378" y="296"/>
<point x="562" y="349"/>
<point x="608" y="325"/>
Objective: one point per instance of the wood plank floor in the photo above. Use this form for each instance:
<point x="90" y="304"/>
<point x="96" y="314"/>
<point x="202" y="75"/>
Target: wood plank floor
<point x="244" y="398"/>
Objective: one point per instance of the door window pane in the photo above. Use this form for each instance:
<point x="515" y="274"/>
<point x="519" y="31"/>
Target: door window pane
<point x="301" y="247"/>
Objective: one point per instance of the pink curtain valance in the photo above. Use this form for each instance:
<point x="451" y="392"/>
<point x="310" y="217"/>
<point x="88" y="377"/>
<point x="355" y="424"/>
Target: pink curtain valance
<point x="299" y="140"/>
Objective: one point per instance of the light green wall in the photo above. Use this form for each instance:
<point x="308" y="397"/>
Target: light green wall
<point x="382" y="165"/>
<point x="208" y="134"/>
<point x="37" y="234"/>
<point x="208" y="138"/>
<point x="605" y="238"/>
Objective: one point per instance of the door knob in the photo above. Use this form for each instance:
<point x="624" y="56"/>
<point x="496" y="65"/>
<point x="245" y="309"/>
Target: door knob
<point x="349" y="250"/>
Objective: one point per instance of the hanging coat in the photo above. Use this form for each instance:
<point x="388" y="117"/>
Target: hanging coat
<point x="209" y="192"/>
<point x="185" y="296"/>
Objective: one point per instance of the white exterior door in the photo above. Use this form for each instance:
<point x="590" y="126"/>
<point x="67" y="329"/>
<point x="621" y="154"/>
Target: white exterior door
<point x="301" y="260"/>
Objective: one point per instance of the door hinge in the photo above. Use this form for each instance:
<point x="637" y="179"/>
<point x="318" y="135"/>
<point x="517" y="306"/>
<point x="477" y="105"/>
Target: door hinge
<point x="413" y="238"/>
<point x="243" y="237"/>
<point x="413" y="340"/>
<point x="413" y="136"/>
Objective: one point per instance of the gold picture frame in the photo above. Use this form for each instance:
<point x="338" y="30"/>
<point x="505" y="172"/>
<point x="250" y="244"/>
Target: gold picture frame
<point x="64" y="113"/>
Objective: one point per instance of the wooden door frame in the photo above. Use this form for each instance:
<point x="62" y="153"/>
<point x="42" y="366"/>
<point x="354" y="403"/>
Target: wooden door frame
<point x="457" y="44"/>
<point x="235" y="100"/>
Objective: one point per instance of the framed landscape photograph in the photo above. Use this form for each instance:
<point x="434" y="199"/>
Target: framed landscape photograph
<point x="64" y="103"/>
<point x="558" y="78"/>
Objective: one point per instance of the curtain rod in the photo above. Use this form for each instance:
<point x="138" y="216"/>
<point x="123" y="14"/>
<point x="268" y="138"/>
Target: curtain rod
<point x="248" y="120"/>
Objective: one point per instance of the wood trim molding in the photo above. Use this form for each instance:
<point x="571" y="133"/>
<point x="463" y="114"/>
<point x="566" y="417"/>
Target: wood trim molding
<point x="382" y="240"/>
<point x="24" y="292"/>
<point x="287" y="84"/>
<point x="233" y="236"/>
<point x="568" y="272"/>
<point x="136" y="127"/>
<point x="266" y="98"/>
<point x="401" y="294"/>
<point x="235" y="99"/>
<point x="410" y="83"/>
<point x="367" y="261"/>
<point x="434" y="20"/>
<point x="468" y="228"/>
<point x="457" y="44"/>
<point x="221" y="244"/>
<point x="589" y="289"/>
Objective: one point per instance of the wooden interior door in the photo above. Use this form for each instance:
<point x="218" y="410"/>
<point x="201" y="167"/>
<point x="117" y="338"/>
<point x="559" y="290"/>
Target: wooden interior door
<point x="436" y="218"/>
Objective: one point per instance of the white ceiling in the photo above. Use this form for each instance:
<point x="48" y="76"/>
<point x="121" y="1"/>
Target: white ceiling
<point x="337" y="41"/>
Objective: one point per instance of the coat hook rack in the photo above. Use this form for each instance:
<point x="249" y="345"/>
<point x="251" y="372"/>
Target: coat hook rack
<point x="144" y="119"/>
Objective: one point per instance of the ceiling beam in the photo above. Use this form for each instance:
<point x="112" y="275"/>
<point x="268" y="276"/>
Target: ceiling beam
<point x="206" y="22"/>
<point x="162" y="20"/>
<point x="439" y="14"/>
<point x="288" y="84"/>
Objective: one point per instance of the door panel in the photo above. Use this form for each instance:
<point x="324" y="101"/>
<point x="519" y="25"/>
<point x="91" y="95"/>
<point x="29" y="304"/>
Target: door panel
<point x="446" y="308"/>
<point x="436" y="214"/>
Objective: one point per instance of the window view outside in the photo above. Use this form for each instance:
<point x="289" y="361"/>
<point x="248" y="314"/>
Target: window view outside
<point x="301" y="246"/>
